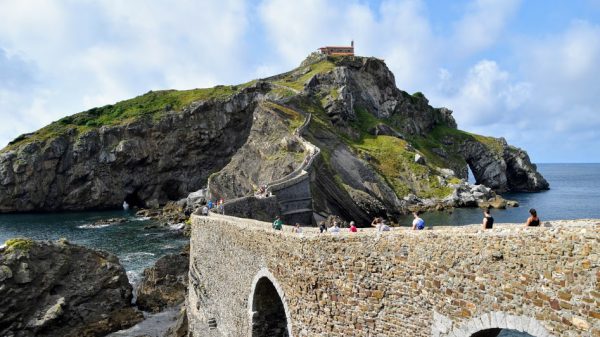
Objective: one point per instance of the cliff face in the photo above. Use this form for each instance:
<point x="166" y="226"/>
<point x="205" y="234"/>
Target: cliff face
<point x="145" y="161"/>
<point x="382" y="149"/>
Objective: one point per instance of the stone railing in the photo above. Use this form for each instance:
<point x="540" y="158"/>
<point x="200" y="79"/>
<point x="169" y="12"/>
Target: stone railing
<point x="445" y="282"/>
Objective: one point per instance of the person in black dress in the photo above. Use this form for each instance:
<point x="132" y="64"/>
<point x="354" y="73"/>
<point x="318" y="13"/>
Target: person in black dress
<point x="488" y="219"/>
<point x="533" y="220"/>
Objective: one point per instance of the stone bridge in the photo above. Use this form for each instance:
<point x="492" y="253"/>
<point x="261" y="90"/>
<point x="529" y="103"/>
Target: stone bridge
<point x="249" y="280"/>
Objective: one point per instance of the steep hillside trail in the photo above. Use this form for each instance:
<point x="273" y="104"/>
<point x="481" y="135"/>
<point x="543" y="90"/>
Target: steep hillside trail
<point x="300" y="173"/>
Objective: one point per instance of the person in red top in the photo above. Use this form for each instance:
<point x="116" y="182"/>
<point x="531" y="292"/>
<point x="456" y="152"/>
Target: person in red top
<point x="352" y="227"/>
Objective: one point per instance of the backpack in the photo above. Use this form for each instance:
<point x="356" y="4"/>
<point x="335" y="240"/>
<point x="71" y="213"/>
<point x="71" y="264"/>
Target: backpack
<point x="421" y="224"/>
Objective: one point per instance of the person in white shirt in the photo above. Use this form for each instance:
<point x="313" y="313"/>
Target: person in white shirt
<point x="335" y="229"/>
<point x="297" y="229"/>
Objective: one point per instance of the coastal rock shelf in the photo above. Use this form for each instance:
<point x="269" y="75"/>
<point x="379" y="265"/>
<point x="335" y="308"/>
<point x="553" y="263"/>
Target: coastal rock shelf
<point x="442" y="282"/>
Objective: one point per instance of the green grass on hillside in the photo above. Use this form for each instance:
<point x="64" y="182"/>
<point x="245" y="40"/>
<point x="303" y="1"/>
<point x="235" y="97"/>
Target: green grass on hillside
<point x="394" y="162"/>
<point x="297" y="83"/>
<point x="294" y="118"/>
<point x="149" y="105"/>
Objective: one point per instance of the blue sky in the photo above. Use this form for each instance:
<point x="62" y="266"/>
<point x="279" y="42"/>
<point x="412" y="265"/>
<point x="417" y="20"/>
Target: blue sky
<point x="524" y="70"/>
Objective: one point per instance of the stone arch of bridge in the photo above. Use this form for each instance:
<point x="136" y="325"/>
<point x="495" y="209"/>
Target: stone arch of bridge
<point x="495" y="321"/>
<point x="267" y="307"/>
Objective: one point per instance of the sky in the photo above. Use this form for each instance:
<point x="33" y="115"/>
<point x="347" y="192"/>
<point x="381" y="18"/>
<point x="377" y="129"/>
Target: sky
<point x="525" y="70"/>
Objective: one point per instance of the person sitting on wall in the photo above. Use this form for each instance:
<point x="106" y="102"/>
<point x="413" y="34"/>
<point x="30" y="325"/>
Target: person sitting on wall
<point x="380" y="225"/>
<point x="205" y="210"/>
<point x="297" y="229"/>
<point x="488" y="219"/>
<point x="375" y="223"/>
<point x="418" y="223"/>
<point x="277" y="224"/>
<point x="533" y="220"/>
<point x="353" y="227"/>
<point x="383" y="226"/>
<point x="335" y="229"/>
<point x="322" y="227"/>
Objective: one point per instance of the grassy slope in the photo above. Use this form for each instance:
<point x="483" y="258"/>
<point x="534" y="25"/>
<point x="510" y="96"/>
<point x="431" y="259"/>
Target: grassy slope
<point x="297" y="82"/>
<point x="394" y="161"/>
<point x="153" y="104"/>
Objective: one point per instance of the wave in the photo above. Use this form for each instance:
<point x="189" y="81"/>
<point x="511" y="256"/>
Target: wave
<point x="93" y="226"/>
<point x="135" y="277"/>
<point x="141" y="218"/>
<point x="177" y="226"/>
<point x="130" y="256"/>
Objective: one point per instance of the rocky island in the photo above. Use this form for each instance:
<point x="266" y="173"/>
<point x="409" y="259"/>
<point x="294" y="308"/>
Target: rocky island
<point x="378" y="150"/>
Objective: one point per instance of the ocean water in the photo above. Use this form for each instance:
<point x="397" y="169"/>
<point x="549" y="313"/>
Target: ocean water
<point x="574" y="194"/>
<point x="137" y="247"/>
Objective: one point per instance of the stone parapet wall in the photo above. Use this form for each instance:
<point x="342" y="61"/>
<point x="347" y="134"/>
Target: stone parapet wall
<point x="442" y="282"/>
<point x="251" y="207"/>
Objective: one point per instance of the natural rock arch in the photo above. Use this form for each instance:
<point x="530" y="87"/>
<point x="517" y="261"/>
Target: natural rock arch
<point x="490" y="321"/>
<point x="268" y="312"/>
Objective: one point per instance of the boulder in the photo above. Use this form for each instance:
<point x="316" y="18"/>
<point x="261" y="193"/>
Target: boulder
<point x="165" y="283"/>
<point x="60" y="289"/>
<point x="419" y="159"/>
<point x="385" y="130"/>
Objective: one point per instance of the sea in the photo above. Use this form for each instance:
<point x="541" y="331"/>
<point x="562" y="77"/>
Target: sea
<point x="574" y="194"/>
<point x="138" y="242"/>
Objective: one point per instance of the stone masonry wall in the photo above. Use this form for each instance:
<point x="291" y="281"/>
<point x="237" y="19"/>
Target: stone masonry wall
<point x="442" y="282"/>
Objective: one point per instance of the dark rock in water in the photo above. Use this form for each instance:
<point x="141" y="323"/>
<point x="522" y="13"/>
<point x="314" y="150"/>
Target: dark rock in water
<point x="111" y="221"/>
<point x="164" y="284"/>
<point x="502" y="167"/>
<point x="180" y="328"/>
<point x="59" y="289"/>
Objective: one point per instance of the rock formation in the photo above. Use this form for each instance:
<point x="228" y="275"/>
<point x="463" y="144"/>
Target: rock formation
<point x="165" y="283"/>
<point x="378" y="146"/>
<point x="59" y="289"/>
<point x="142" y="160"/>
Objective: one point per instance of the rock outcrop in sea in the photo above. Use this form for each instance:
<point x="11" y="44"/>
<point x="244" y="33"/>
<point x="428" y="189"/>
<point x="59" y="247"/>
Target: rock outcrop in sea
<point x="60" y="289"/>
<point x="378" y="150"/>
<point x="164" y="284"/>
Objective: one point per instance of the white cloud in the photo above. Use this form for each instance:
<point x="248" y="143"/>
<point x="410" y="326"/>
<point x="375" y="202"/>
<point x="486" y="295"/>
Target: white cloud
<point x="397" y="31"/>
<point x="61" y="57"/>
<point x="485" y="96"/>
<point x="87" y="54"/>
<point x="482" y="25"/>
<point x="548" y="104"/>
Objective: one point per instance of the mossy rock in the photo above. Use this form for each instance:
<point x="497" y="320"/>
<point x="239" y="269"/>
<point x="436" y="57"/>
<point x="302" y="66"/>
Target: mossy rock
<point x="17" y="244"/>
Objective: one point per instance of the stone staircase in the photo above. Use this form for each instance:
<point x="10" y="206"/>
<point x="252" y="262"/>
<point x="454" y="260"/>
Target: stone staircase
<point x="290" y="196"/>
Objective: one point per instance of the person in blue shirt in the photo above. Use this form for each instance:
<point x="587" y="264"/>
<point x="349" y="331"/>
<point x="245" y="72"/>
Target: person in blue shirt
<point x="418" y="223"/>
<point x="210" y="204"/>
